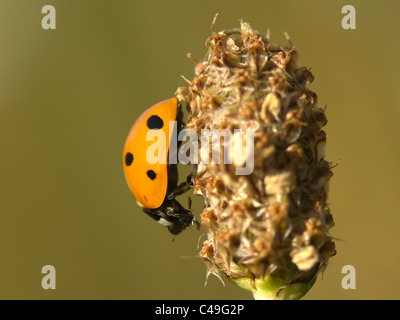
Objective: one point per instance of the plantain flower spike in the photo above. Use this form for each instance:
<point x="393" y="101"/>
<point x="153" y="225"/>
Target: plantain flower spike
<point x="267" y="226"/>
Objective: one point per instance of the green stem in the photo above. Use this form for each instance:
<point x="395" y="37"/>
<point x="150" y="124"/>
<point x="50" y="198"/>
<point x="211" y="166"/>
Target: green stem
<point x="273" y="288"/>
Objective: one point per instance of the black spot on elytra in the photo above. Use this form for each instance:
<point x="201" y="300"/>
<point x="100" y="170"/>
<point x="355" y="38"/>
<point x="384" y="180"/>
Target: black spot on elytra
<point x="155" y="122"/>
<point x="151" y="174"/>
<point x="128" y="158"/>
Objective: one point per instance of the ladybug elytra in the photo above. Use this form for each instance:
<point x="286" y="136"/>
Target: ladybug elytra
<point x="156" y="185"/>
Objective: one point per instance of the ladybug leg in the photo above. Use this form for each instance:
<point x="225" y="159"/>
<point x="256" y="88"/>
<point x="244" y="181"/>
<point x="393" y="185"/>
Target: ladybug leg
<point x="182" y="188"/>
<point x="190" y="209"/>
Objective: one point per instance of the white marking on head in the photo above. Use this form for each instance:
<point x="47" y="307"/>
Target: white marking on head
<point x="164" y="222"/>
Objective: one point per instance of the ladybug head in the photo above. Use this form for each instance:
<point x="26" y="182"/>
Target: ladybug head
<point x="172" y="215"/>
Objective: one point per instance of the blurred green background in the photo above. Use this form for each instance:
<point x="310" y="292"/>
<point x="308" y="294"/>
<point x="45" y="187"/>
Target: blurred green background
<point x="69" y="96"/>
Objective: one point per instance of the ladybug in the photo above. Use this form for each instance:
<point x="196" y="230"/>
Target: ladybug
<point x="155" y="186"/>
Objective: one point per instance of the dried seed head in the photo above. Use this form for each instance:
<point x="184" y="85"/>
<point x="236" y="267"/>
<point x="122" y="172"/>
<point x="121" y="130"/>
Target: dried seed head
<point x="267" y="230"/>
